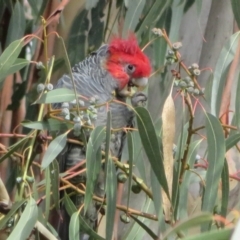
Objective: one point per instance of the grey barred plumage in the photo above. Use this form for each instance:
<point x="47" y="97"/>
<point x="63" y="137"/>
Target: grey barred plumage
<point x="93" y="78"/>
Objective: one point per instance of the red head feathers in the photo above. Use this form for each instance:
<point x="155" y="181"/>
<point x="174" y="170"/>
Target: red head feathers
<point x="127" y="61"/>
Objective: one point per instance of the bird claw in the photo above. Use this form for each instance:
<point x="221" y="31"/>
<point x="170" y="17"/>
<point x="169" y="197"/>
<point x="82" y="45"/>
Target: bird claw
<point x="138" y="99"/>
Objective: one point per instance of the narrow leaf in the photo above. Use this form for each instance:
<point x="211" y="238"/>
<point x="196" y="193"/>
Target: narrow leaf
<point x="225" y="58"/>
<point x="151" y="145"/>
<point x="74" y="226"/>
<point x="111" y="193"/>
<point x="91" y="4"/>
<point x="17" y="23"/>
<point x="135" y="8"/>
<point x="188" y="223"/>
<point x="26" y="222"/>
<point x="54" y="148"/>
<point x="236" y="11"/>
<point x="232" y="140"/>
<point x="216" y="155"/>
<point x="16" y="66"/>
<point x="93" y="161"/>
<point x="57" y="96"/>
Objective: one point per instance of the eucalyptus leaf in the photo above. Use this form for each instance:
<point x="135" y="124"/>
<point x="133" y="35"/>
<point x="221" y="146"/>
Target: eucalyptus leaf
<point x="236" y="11"/>
<point x="74" y="226"/>
<point x="26" y="222"/>
<point x="57" y="96"/>
<point x="151" y="145"/>
<point x="216" y="156"/>
<point x="54" y="148"/>
<point x="226" y="56"/>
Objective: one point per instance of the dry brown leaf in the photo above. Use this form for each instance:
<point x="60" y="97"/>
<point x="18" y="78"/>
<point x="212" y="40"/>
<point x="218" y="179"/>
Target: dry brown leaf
<point x="168" y="133"/>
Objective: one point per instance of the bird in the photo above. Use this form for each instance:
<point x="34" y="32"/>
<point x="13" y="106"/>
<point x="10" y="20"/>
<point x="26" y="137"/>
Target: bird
<point x="105" y="74"/>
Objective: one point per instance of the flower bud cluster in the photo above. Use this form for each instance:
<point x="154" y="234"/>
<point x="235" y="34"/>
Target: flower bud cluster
<point x="187" y="84"/>
<point x="85" y="118"/>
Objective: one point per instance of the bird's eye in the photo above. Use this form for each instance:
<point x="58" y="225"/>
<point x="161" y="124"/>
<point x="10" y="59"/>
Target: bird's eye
<point x="130" y="68"/>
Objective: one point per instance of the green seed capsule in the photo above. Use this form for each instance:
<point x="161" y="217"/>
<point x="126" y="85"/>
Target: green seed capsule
<point x="40" y="88"/>
<point x="190" y="89"/>
<point x="65" y="111"/>
<point x="124" y="218"/>
<point x="176" y="46"/>
<point x="121" y="177"/>
<point x="77" y="127"/>
<point x="196" y="72"/>
<point x="196" y="91"/>
<point x="136" y="188"/>
<point x="182" y="84"/>
<point x="49" y="87"/>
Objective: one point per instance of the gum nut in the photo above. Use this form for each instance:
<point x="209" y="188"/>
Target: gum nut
<point x="65" y="111"/>
<point x="77" y="119"/>
<point x="170" y="53"/>
<point x="94" y="117"/>
<point x="182" y="84"/>
<point x="81" y="103"/>
<point x="176" y="83"/>
<point x="124" y="218"/>
<point x="196" y="72"/>
<point x="187" y="79"/>
<point x="92" y="100"/>
<point x="190" y="89"/>
<point x="49" y="87"/>
<point x="191" y="84"/>
<point x="122" y="177"/>
<point x="196" y="91"/>
<point x="76" y="133"/>
<point x="195" y="66"/>
<point x="65" y="105"/>
<point x="40" y="87"/>
<point x="85" y="117"/>
<point x="176" y="45"/>
<point x="89" y="123"/>
<point x="67" y="117"/>
<point x="19" y="179"/>
<point x="74" y="102"/>
<point x="77" y="127"/>
<point x="157" y="31"/>
<point x="39" y="65"/>
<point x="136" y="188"/>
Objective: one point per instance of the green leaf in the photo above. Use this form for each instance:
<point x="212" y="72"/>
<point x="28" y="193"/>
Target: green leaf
<point x="48" y="193"/>
<point x="9" y="56"/>
<point x="226" y="56"/>
<point x="93" y="161"/>
<point x="26" y="222"/>
<point x="54" y="148"/>
<point x="135" y="8"/>
<point x="155" y="12"/>
<point x="146" y="228"/>
<point x="91" y="4"/>
<point x="57" y="96"/>
<point x="216" y="156"/>
<point x="190" y="222"/>
<point x="216" y="234"/>
<point x="54" y="176"/>
<point x="237" y="104"/>
<point x="16" y="66"/>
<point x="10" y="214"/>
<point x="71" y="208"/>
<point x="184" y="187"/>
<point x="17" y="24"/>
<point x="151" y="145"/>
<point x="74" y="226"/>
<point x="177" y="14"/>
<point x="50" y="124"/>
<point x="111" y="195"/>
<point x="236" y="11"/>
<point x="131" y="154"/>
<point x="232" y="140"/>
<point x="225" y="190"/>
<point x="13" y="148"/>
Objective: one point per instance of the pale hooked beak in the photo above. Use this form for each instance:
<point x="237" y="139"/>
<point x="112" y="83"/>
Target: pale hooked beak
<point x="140" y="82"/>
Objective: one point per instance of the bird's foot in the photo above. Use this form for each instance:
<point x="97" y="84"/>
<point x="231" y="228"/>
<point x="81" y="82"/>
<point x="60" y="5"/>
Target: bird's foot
<point x="138" y="99"/>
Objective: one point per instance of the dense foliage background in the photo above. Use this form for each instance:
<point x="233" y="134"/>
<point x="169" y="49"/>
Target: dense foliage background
<point x="40" y="40"/>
